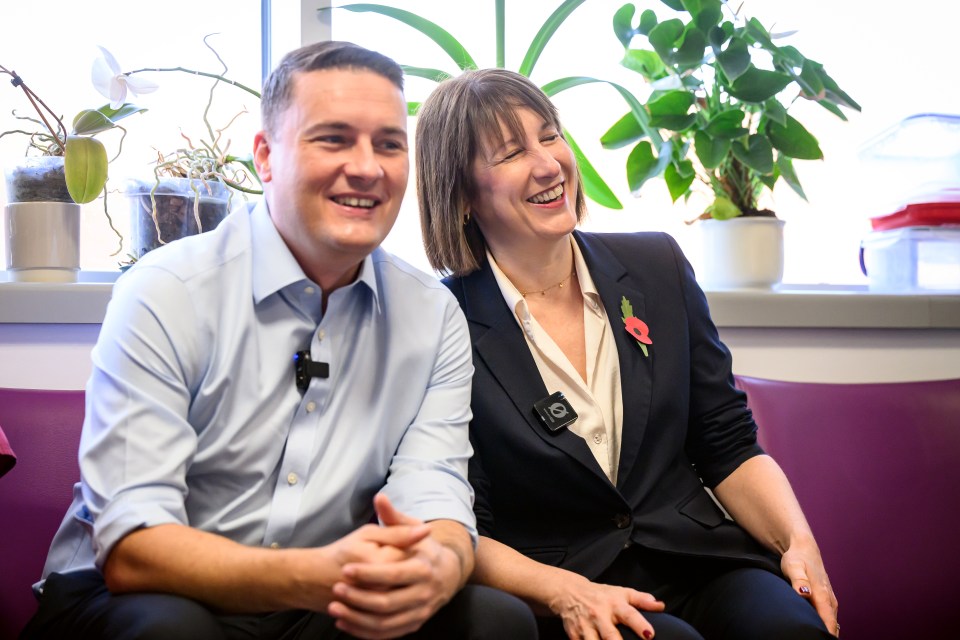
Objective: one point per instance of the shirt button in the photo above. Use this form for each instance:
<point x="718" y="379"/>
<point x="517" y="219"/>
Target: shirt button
<point x="598" y="438"/>
<point x="621" y="520"/>
<point x="292" y="478"/>
<point x="309" y="291"/>
<point x="321" y="335"/>
<point x="274" y="545"/>
<point x="311" y="407"/>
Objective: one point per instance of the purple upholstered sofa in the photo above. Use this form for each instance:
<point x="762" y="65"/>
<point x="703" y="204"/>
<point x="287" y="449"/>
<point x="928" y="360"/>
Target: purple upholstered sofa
<point x="43" y="428"/>
<point x="876" y="468"/>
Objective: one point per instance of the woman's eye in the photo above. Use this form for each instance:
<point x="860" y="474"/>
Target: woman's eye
<point x="550" y="138"/>
<point x="512" y="154"/>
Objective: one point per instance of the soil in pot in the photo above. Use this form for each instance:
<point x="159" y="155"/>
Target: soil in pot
<point x="179" y="212"/>
<point x="38" y="179"/>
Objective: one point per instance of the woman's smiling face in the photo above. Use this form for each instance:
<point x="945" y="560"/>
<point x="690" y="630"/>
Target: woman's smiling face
<point x="525" y="191"/>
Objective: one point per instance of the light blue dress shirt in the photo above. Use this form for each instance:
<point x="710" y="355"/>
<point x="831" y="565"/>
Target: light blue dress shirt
<point x="193" y="415"/>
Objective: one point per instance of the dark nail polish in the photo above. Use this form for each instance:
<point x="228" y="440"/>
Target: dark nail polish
<point x="648" y="634"/>
<point x="805" y="590"/>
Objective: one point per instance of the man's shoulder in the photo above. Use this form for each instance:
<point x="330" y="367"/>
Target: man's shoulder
<point x="395" y="272"/>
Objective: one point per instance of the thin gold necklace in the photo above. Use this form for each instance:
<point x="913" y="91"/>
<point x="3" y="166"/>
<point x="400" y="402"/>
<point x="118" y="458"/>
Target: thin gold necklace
<point x="560" y="284"/>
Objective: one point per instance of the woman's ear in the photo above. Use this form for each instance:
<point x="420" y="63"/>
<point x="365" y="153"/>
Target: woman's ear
<point x="261" y="156"/>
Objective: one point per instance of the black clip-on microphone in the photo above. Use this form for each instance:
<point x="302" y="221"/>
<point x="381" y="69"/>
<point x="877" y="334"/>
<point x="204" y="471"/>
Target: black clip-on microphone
<point x="306" y="369"/>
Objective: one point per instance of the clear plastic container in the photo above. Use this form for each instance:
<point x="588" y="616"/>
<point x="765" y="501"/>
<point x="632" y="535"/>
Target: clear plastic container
<point x="915" y="161"/>
<point x="913" y="259"/>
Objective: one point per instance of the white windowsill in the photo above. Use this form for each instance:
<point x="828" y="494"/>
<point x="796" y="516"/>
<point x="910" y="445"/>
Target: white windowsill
<point x="793" y="306"/>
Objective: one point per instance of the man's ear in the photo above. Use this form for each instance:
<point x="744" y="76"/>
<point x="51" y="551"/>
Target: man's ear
<point x="261" y="156"/>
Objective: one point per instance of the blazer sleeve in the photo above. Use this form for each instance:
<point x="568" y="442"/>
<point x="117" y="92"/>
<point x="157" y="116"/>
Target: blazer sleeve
<point x="721" y="433"/>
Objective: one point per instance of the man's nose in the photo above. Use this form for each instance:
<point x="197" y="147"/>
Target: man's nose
<point x="363" y="162"/>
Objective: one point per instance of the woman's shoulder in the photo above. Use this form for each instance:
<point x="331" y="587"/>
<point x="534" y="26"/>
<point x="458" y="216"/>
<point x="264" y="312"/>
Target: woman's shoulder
<point x="645" y="246"/>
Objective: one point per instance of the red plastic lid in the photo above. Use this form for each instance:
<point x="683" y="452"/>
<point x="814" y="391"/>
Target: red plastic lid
<point x="924" y="214"/>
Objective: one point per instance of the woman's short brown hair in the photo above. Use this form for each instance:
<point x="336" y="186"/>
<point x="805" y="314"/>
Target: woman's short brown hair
<point x="453" y="125"/>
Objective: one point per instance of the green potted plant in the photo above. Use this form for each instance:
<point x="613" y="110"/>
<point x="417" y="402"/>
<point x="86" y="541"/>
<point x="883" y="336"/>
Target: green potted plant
<point x="192" y="187"/>
<point x="60" y="172"/>
<point x="718" y="116"/>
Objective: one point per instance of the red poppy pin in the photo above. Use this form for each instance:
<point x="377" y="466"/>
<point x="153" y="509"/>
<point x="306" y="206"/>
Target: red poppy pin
<point x="635" y="326"/>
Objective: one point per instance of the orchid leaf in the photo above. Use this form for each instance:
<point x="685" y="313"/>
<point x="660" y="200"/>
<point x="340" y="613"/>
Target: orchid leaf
<point x="435" y="32"/>
<point x="92" y="121"/>
<point x="594" y="186"/>
<point x="85" y="168"/>
<point x="794" y="140"/>
<point x="546" y="32"/>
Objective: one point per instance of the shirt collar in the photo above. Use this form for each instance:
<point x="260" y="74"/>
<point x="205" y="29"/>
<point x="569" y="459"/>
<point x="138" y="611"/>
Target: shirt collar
<point x="516" y="301"/>
<point x="275" y="268"/>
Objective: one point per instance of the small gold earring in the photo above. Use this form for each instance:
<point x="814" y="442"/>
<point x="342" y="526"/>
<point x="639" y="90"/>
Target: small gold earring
<point x="466" y="218"/>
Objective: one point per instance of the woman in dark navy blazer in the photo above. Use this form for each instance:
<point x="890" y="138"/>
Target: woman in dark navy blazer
<point x="603" y="400"/>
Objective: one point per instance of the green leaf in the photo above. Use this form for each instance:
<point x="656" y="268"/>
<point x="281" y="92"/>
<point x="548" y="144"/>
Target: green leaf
<point x="546" y="32"/>
<point x="785" y="164"/>
<point x="727" y="124"/>
<point x="562" y="84"/>
<point x="770" y="180"/>
<point x="710" y="151"/>
<point x="810" y="81"/>
<point x="794" y="140"/>
<point x="594" y="186"/>
<point x="625" y="307"/>
<point x="648" y="20"/>
<point x="92" y="121"/>
<point x="437" y="75"/>
<point x="707" y="16"/>
<point x="723" y="209"/>
<point x="760" y="34"/>
<point x="758" y="154"/>
<point x="734" y="60"/>
<point x="623" y="24"/>
<point x="646" y="63"/>
<point x="670" y="110"/>
<point x="435" y="32"/>
<point x="774" y="111"/>
<point x="413" y="108"/>
<point x="85" y="167"/>
<point x="665" y="37"/>
<point x="692" y="49"/>
<point x="678" y="179"/>
<point x="757" y="85"/>
<point x="623" y="132"/>
<point x="676" y="5"/>
<point x="641" y="166"/>
<point x="834" y="93"/>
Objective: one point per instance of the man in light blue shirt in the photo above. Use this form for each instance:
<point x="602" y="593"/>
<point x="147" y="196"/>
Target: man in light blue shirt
<point x="227" y="493"/>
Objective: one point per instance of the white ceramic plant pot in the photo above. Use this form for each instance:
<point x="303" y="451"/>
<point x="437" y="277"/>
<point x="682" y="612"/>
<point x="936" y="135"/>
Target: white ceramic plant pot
<point x="742" y="253"/>
<point x="43" y="241"/>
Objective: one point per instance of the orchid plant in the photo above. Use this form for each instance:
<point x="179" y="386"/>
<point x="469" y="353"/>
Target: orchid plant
<point x="84" y="157"/>
<point x="710" y="96"/>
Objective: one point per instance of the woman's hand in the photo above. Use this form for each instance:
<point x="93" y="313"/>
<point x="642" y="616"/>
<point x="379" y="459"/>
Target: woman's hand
<point x="803" y="567"/>
<point x="592" y="611"/>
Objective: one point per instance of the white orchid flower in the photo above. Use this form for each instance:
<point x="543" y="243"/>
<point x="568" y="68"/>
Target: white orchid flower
<point x="112" y="83"/>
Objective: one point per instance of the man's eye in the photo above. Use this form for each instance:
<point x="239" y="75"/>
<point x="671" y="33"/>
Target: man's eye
<point x="393" y="145"/>
<point x="331" y="139"/>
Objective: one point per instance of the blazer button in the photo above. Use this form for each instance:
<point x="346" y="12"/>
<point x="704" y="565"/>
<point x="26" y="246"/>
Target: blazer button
<point x="621" y="520"/>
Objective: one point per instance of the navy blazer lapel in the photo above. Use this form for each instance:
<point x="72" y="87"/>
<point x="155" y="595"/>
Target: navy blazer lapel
<point x="505" y="353"/>
<point x="636" y="370"/>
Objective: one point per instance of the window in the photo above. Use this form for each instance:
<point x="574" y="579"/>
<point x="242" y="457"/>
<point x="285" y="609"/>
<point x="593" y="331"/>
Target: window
<point x="52" y="45"/>
<point x="895" y="61"/>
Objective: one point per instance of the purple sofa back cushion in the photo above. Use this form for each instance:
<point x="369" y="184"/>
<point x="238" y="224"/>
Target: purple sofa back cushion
<point x="876" y="468"/>
<point x="43" y="427"/>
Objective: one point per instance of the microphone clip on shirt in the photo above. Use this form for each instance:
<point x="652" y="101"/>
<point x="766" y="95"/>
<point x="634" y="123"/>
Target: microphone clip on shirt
<point x="306" y="369"/>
